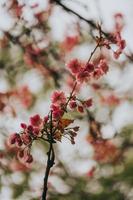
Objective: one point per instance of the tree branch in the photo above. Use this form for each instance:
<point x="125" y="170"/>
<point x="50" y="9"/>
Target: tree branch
<point x="50" y="162"/>
<point x="90" y="22"/>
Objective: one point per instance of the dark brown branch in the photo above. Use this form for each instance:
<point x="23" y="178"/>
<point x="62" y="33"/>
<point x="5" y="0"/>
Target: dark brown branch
<point x="58" y="2"/>
<point x="50" y="162"/>
<point x="90" y="22"/>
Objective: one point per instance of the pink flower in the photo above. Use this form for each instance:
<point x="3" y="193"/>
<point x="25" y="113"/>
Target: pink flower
<point x="120" y="43"/>
<point x="18" y="141"/>
<point x="76" y="128"/>
<point x="56" y="111"/>
<point x="15" y="139"/>
<point x="88" y="103"/>
<point x="74" y="66"/>
<point x="84" y="73"/>
<point x="20" y="154"/>
<point x="89" y="67"/>
<point x="29" y="158"/>
<point x="72" y="104"/>
<point x="36" y="131"/>
<point x="12" y="138"/>
<point x="106" y="43"/>
<point x="58" y="98"/>
<point x="35" y="120"/>
<point x="117" y="53"/>
<point x="46" y="119"/>
<point x="30" y="129"/>
<point x="83" y="76"/>
<point x="101" y="69"/>
<point x="24" y="156"/>
<point x="24" y="126"/>
<point x="97" y="73"/>
<point x="103" y="66"/>
<point x="80" y="109"/>
<point x="26" y="138"/>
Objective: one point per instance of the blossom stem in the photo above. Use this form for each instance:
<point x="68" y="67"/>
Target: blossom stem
<point x="71" y="94"/>
<point x="92" y="53"/>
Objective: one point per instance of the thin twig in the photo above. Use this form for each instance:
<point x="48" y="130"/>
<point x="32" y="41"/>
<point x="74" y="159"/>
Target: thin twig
<point x="71" y="94"/>
<point x="93" y="53"/>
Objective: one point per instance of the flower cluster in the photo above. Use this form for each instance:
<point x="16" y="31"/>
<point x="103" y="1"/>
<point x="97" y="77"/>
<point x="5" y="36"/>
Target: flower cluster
<point x="114" y="38"/>
<point x="58" y="99"/>
<point x="84" y="72"/>
<point x="59" y="102"/>
<point x="52" y="128"/>
<point x="23" y="141"/>
<point x="80" y="104"/>
<point x="40" y="129"/>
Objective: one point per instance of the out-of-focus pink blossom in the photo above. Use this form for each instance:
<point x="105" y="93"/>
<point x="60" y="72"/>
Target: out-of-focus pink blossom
<point x="69" y="43"/>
